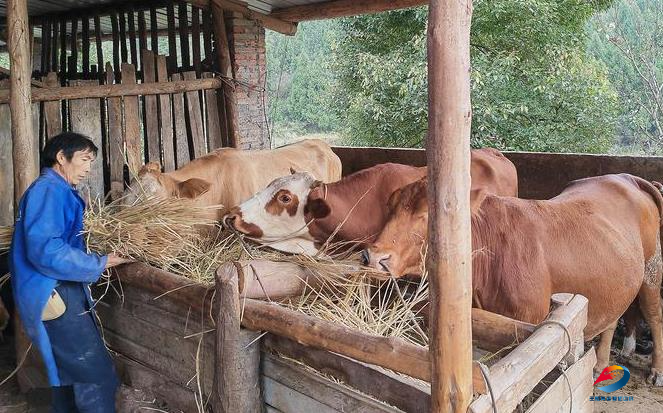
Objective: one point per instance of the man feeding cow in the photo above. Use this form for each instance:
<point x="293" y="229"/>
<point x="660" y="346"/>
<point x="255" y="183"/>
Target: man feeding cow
<point x="600" y="238"/>
<point x="300" y="214"/>
<point x="51" y="272"/>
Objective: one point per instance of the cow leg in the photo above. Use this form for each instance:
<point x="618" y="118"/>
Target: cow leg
<point x="603" y="349"/>
<point x="650" y="305"/>
<point x="631" y="318"/>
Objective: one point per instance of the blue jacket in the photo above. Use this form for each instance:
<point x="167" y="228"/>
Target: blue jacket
<point x="47" y="247"/>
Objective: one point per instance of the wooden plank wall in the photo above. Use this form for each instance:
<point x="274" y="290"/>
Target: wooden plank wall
<point x="176" y="361"/>
<point x="105" y="46"/>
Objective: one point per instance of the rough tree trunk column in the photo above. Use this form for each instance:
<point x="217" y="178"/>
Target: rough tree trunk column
<point x="26" y="145"/>
<point x="25" y="152"/>
<point x="449" y="235"/>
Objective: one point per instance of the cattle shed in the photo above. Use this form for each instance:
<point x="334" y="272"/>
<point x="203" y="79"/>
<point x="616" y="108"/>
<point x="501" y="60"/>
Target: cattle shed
<point x="164" y="81"/>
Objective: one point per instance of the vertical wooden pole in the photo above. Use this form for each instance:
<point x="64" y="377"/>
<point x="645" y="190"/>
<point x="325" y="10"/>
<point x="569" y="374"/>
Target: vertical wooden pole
<point x="116" y="42"/>
<point x="195" y="40"/>
<point x="100" y="50"/>
<point x="73" y="59"/>
<point x="26" y="143"/>
<point x="25" y="149"/>
<point x="172" y="39"/>
<point x="63" y="52"/>
<point x="85" y="45"/>
<point x="231" y="392"/>
<point x="449" y="260"/>
<point x="225" y="67"/>
<point x="183" y="20"/>
<point x="131" y="16"/>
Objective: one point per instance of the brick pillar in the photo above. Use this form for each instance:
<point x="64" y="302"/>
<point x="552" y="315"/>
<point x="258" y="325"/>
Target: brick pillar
<point x="247" y="50"/>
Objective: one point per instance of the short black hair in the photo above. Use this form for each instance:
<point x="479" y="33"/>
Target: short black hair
<point x="67" y="142"/>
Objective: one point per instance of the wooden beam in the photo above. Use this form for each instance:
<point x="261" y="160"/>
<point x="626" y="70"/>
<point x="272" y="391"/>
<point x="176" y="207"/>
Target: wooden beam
<point x="267" y="21"/>
<point x="449" y="259"/>
<point x="33" y="82"/>
<point x="341" y="8"/>
<point x="101" y="91"/>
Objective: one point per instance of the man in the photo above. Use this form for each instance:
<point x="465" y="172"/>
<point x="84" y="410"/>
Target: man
<point x="48" y="254"/>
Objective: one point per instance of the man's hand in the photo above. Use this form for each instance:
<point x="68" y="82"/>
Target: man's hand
<point x="114" y="260"/>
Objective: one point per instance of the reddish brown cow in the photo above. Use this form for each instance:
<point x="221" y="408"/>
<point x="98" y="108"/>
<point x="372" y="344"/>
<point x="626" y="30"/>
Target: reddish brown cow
<point x="600" y="238"/>
<point x="298" y="214"/>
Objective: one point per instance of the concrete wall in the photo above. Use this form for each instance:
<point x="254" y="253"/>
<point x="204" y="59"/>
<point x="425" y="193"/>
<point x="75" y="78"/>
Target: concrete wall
<point x="540" y="175"/>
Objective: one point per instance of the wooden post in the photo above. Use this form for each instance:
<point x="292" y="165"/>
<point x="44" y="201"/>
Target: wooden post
<point x="449" y="238"/>
<point x="228" y="109"/>
<point x="26" y="143"/>
<point x="25" y="150"/>
<point x="231" y="393"/>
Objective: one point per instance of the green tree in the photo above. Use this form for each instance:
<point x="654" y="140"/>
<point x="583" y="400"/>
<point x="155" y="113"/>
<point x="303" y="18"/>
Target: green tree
<point x="299" y="79"/>
<point x="628" y="39"/>
<point x="533" y="86"/>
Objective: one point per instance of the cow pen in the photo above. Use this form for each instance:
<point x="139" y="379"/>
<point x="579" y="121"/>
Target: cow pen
<point x="223" y="345"/>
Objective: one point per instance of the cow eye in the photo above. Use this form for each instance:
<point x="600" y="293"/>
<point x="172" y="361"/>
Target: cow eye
<point x="284" y="198"/>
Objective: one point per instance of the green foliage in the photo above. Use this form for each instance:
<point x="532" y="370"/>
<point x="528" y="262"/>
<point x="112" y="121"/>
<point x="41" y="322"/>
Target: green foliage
<point x="299" y="79"/>
<point x="628" y="39"/>
<point x="533" y="87"/>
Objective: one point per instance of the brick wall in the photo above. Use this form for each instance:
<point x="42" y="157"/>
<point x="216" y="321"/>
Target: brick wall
<point x="247" y="48"/>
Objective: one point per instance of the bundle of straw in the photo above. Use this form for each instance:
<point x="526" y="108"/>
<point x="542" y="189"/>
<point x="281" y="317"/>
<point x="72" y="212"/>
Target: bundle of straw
<point x="5" y="238"/>
<point x="152" y="230"/>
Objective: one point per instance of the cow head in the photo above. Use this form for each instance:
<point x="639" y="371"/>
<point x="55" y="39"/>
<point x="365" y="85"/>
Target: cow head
<point x="400" y="247"/>
<point x="151" y="183"/>
<point x="276" y="216"/>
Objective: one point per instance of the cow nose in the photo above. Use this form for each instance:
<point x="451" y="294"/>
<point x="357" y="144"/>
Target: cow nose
<point x="384" y="263"/>
<point x="365" y="258"/>
<point x="229" y="219"/>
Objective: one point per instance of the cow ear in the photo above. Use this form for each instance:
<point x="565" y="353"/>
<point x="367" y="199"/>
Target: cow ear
<point x="477" y="196"/>
<point x="292" y="171"/>
<point x="150" y="167"/>
<point x="192" y="188"/>
<point x="317" y="208"/>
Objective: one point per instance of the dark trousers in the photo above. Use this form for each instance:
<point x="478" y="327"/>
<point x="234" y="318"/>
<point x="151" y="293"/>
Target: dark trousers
<point x="87" y="375"/>
<point x="83" y="398"/>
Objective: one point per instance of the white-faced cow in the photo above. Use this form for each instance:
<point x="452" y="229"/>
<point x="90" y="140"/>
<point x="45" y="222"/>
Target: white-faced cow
<point x="600" y="238"/>
<point x="229" y="176"/>
<point x="299" y="214"/>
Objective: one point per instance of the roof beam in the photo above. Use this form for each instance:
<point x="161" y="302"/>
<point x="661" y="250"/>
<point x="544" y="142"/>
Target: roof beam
<point x="267" y="21"/>
<point x="341" y="8"/>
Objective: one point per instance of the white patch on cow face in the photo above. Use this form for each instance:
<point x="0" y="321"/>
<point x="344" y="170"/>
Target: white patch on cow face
<point x="283" y="226"/>
<point x="147" y="185"/>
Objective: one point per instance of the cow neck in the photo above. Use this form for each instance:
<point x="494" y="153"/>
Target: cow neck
<point x="486" y="252"/>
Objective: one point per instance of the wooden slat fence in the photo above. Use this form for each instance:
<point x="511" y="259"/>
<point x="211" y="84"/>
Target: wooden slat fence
<point x="170" y="129"/>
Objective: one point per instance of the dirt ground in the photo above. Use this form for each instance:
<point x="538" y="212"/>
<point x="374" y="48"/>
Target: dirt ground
<point x="646" y="398"/>
<point x="129" y="400"/>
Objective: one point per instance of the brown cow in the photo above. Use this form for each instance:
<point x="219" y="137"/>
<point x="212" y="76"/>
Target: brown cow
<point x="298" y="214"/>
<point x="229" y="176"/>
<point x="600" y="238"/>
